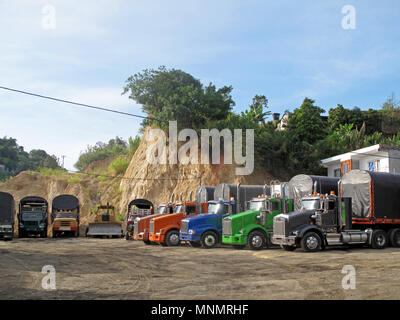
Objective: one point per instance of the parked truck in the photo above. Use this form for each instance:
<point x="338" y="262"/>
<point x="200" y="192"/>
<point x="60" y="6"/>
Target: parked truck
<point x="253" y="228"/>
<point x="32" y="217"/>
<point x="65" y="215"/>
<point x="205" y="229"/>
<point x="136" y="209"/>
<point x="366" y="211"/>
<point x="141" y="226"/>
<point x="7" y="211"/>
<point x="105" y="223"/>
<point x="165" y="229"/>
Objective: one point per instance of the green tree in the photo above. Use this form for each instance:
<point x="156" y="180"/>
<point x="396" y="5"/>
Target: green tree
<point x="176" y="95"/>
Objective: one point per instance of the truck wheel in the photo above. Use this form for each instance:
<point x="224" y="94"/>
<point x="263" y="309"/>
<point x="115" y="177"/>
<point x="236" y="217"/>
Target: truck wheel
<point x="238" y="246"/>
<point x="379" y="239"/>
<point x="54" y="234"/>
<point x="148" y="242"/>
<point x="76" y="234"/>
<point x="127" y="235"/>
<point x="311" y="242"/>
<point x="256" y="240"/>
<point x="21" y="233"/>
<point x="395" y="238"/>
<point x="288" y="248"/>
<point x="195" y="244"/>
<point x="172" y="238"/>
<point x="209" y="239"/>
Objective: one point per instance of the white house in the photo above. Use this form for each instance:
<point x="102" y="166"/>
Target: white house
<point x="380" y="158"/>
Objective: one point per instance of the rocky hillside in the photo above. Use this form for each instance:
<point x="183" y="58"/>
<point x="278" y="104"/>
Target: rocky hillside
<point x="141" y="180"/>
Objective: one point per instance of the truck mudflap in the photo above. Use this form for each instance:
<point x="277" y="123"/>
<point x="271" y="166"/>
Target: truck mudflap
<point x="237" y="239"/>
<point x="285" y="241"/>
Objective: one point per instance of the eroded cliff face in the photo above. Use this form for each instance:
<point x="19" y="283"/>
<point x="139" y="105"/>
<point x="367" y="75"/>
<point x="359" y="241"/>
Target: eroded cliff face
<point x="157" y="182"/>
<point x="141" y="180"/>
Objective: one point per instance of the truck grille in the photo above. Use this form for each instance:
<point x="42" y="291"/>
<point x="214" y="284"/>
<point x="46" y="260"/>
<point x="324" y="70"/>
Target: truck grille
<point x="185" y="226"/>
<point x="151" y="226"/>
<point x="30" y="223"/>
<point x="227" y="227"/>
<point x="65" y="223"/>
<point x="279" y="228"/>
<point x="136" y="227"/>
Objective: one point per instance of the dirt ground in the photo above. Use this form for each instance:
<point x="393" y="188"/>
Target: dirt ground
<point x="119" y="269"/>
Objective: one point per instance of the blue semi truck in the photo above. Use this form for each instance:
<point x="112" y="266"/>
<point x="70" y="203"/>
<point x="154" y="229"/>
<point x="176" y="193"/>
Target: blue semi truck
<point x="205" y="230"/>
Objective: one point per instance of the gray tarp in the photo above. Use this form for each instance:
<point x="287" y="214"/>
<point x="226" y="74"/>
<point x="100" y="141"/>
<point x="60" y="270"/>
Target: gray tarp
<point x="65" y="202"/>
<point x="7" y="208"/>
<point x="204" y="194"/>
<point x="384" y="196"/>
<point x="302" y="185"/>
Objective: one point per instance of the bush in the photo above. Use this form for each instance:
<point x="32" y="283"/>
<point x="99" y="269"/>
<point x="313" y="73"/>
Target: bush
<point x="119" y="165"/>
<point x="52" y="172"/>
<point x="74" y="179"/>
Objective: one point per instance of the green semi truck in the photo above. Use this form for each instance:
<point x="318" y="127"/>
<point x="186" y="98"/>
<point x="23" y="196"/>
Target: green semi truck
<point x="254" y="226"/>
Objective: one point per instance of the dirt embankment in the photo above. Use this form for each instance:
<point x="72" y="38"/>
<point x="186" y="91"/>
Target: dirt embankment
<point x="141" y="180"/>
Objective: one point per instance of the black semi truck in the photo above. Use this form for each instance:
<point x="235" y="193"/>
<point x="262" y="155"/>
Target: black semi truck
<point x="365" y="212"/>
<point x="7" y="211"/>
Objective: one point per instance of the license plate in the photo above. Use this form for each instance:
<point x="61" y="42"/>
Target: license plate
<point x="65" y="228"/>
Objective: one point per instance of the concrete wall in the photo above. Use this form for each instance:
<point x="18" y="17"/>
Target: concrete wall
<point x="394" y="161"/>
<point x="383" y="162"/>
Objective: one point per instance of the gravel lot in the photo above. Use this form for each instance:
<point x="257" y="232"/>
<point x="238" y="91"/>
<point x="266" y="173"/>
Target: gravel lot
<point x="118" y="269"/>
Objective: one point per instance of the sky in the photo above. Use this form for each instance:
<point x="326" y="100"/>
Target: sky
<point x="85" y="50"/>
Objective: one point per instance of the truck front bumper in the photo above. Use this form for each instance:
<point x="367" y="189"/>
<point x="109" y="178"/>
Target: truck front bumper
<point x="237" y="239"/>
<point x="189" y="237"/>
<point x="285" y="241"/>
<point x="6" y="234"/>
<point x="156" y="237"/>
<point x="65" y="228"/>
<point x="139" y="236"/>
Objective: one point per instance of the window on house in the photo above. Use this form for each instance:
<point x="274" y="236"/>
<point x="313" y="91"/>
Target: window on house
<point x="374" y="165"/>
<point x="337" y="173"/>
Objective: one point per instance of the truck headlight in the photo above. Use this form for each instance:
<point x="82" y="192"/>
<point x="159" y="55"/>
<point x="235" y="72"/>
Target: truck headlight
<point x="192" y="232"/>
<point x="241" y="231"/>
<point x="21" y="225"/>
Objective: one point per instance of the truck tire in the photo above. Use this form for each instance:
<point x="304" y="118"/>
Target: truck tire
<point x="379" y="239"/>
<point x="256" y="240"/>
<point x="54" y="234"/>
<point x="21" y="234"/>
<point x="172" y="238"/>
<point x="148" y="242"/>
<point x="127" y="235"/>
<point x="209" y="240"/>
<point x="288" y="248"/>
<point x="311" y="242"/>
<point x="395" y="238"/>
<point x="195" y="244"/>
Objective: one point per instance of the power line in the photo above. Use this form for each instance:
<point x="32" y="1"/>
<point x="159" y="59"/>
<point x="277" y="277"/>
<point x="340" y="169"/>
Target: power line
<point x="81" y="104"/>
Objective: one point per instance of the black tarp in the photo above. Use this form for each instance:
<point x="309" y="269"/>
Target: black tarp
<point x="140" y="203"/>
<point x="246" y="193"/>
<point x="379" y="191"/>
<point x="31" y="199"/>
<point x="7" y="208"/>
<point x="302" y="185"/>
<point x="65" y="202"/>
<point x="204" y="194"/>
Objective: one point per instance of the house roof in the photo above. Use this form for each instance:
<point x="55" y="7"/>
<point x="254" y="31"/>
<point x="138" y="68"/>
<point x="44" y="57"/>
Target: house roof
<point x="375" y="150"/>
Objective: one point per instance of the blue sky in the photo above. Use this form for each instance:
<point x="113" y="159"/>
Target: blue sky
<point x="286" y="50"/>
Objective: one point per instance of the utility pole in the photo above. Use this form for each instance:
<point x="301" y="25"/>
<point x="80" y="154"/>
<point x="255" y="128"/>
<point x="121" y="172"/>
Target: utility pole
<point x="63" y="157"/>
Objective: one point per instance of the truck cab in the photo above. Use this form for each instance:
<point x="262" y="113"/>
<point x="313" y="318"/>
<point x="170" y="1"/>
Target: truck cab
<point x="32" y="217"/>
<point x="141" y="226"/>
<point x="165" y="229"/>
<point x="254" y="226"/>
<point x="205" y="229"/>
<point x="65" y="215"/>
<point x="136" y="209"/>
<point x="7" y="211"/>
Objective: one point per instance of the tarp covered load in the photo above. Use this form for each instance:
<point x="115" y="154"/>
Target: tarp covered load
<point x="302" y="185"/>
<point x="7" y="208"/>
<point x="65" y="202"/>
<point x="374" y="194"/>
<point x="140" y="203"/>
<point x="204" y="194"/>
<point x="34" y="200"/>
<point x="246" y="193"/>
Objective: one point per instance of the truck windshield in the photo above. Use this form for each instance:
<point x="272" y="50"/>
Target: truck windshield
<point x="256" y="205"/>
<point x="214" y="208"/>
<point x="311" y="204"/>
<point x="179" y="209"/>
<point x="162" y="209"/>
<point x="32" y="215"/>
<point x="65" y="215"/>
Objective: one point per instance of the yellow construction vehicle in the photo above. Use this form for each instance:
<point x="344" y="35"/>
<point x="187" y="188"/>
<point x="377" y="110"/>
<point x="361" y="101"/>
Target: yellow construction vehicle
<point x="105" y="223"/>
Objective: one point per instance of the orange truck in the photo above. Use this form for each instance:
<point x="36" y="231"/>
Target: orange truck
<point x="141" y="226"/>
<point x="165" y="229"/>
